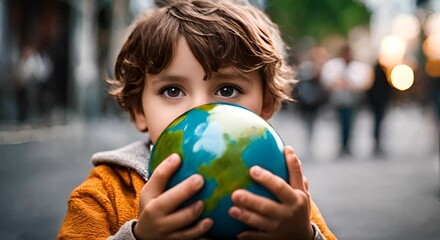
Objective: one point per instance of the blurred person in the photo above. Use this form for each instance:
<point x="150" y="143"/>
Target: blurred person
<point x="24" y="76"/>
<point x="33" y="70"/>
<point x="310" y="92"/>
<point x="346" y="79"/>
<point x="190" y="62"/>
<point x="377" y="97"/>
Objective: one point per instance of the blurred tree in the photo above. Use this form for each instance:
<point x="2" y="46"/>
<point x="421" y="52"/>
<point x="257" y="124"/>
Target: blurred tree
<point x="317" y="18"/>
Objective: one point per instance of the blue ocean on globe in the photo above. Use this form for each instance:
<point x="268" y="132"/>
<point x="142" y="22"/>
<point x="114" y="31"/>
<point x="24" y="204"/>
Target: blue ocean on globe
<point x="221" y="141"/>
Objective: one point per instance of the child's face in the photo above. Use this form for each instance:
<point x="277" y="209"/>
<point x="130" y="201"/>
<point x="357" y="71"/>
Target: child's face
<point x="181" y="87"/>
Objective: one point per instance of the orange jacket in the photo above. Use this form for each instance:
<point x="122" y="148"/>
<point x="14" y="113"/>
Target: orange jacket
<point x="107" y="201"/>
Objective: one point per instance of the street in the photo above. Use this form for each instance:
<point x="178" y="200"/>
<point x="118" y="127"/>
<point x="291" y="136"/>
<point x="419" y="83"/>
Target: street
<point x="362" y="196"/>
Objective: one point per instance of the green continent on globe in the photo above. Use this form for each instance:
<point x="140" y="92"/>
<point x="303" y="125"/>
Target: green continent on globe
<point x="207" y="107"/>
<point x="171" y="143"/>
<point x="234" y="172"/>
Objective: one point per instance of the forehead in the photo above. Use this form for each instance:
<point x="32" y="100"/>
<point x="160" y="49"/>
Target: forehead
<point x="185" y="63"/>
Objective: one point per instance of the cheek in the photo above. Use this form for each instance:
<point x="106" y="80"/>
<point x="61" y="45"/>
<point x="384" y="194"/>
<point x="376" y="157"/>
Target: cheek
<point x="156" y="125"/>
<point x="154" y="132"/>
<point x="253" y="104"/>
<point x="256" y="109"/>
<point x="158" y="121"/>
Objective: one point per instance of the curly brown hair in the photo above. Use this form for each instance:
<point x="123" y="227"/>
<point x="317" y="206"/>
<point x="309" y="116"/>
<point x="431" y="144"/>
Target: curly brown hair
<point x="219" y="34"/>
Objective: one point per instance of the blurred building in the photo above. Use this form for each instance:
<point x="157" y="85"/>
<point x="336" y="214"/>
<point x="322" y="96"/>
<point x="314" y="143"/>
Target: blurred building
<point x="67" y="49"/>
<point x="56" y="56"/>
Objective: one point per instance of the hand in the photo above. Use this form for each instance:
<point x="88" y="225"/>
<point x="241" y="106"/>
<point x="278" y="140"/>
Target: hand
<point x="159" y="215"/>
<point x="287" y="219"/>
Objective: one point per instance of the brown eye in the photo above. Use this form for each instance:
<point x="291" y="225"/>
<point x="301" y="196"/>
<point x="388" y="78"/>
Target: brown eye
<point x="227" y="91"/>
<point x="173" y="92"/>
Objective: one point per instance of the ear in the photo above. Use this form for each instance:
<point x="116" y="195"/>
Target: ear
<point x="140" y="120"/>
<point x="268" y="106"/>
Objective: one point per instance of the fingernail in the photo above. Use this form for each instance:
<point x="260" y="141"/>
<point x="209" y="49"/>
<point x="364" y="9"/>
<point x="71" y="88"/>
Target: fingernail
<point x="199" y="206"/>
<point x="235" y="212"/>
<point x="257" y="171"/>
<point x="196" y="180"/>
<point x="172" y="158"/>
<point x="207" y="224"/>
<point x="239" y="197"/>
<point x="290" y="148"/>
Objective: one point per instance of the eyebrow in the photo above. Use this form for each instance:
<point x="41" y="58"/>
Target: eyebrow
<point x="229" y="74"/>
<point x="223" y="74"/>
<point x="166" y="78"/>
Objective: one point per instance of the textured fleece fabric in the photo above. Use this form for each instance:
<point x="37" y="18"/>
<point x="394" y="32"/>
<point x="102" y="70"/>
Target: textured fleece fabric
<point x="105" y="205"/>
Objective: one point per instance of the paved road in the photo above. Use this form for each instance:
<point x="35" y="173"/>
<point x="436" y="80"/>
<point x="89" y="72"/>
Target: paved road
<point x="361" y="196"/>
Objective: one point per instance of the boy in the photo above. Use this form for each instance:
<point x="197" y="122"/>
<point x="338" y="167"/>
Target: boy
<point x="177" y="57"/>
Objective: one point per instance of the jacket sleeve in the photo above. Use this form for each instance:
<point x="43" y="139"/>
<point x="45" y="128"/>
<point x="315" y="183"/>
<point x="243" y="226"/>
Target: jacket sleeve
<point x="322" y="231"/>
<point x="102" y="206"/>
<point x="87" y="217"/>
<point x="317" y="233"/>
<point x="125" y="232"/>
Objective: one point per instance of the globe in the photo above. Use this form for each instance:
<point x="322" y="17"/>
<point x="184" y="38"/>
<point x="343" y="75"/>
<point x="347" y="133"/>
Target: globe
<point x="221" y="141"/>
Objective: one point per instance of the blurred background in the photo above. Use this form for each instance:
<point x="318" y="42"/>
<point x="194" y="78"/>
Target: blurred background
<point x="365" y="123"/>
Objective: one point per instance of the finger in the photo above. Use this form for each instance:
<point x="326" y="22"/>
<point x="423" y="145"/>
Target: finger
<point x="161" y="175"/>
<point x="255" y="203"/>
<point x="276" y="185"/>
<point x="252" y="219"/>
<point x="253" y="235"/>
<point x="171" y="199"/>
<point x="193" y="232"/>
<point x="182" y="217"/>
<point x="306" y="183"/>
<point x="294" y="169"/>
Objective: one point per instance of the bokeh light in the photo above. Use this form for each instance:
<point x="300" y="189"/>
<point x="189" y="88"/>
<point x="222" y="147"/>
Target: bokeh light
<point x="392" y="50"/>
<point x="431" y="46"/>
<point x="432" y="24"/>
<point x="432" y="68"/>
<point x="402" y="77"/>
<point x="407" y="26"/>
